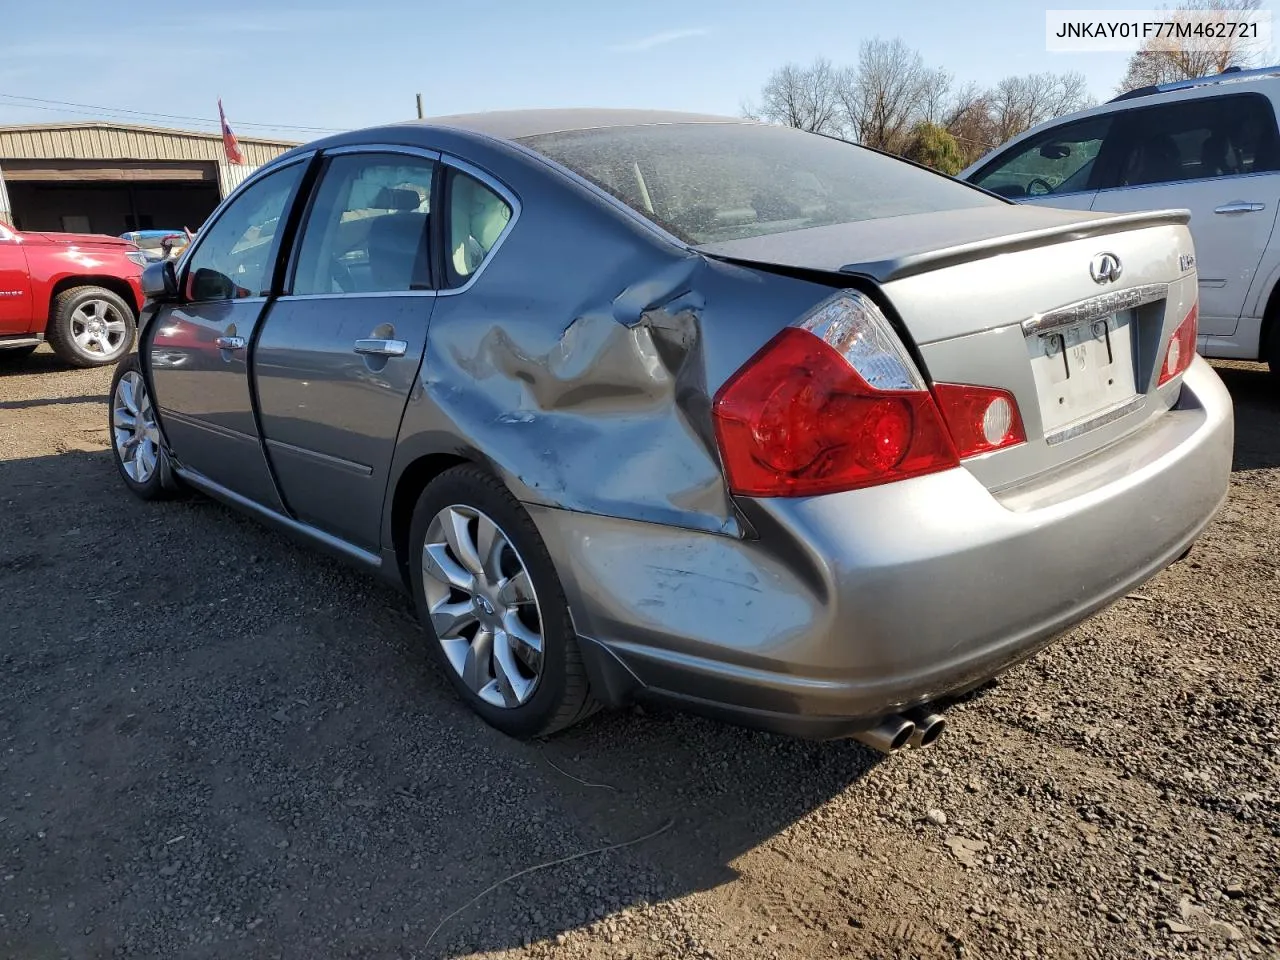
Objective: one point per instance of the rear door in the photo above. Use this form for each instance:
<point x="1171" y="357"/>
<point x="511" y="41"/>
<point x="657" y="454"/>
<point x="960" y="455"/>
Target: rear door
<point x="339" y="353"/>
<point x="15" y="286"/>
<point x="199" y="348"/>
<point x="1058" y="167"/>
<point x="1217" y="157"/>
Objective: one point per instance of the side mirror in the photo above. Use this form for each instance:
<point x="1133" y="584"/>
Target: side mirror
<point x="209" y="284"/>
<point x="1055" y="151"/>
<point x="160" y="282"/>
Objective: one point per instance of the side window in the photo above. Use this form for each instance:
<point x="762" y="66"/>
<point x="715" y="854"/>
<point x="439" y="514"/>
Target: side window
<point x="477" y="217"/>
<point x="1196" y="139"/>
<point x="369" y="228"/>
<point x="1057" y="161"/>
<point x="235" y="255"/>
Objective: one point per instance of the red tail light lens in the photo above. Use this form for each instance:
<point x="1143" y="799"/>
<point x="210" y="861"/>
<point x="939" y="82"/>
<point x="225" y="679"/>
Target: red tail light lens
<point x="1182" y="347"/>
<point x="802" y="417"/>
<point x="981" y="419"/>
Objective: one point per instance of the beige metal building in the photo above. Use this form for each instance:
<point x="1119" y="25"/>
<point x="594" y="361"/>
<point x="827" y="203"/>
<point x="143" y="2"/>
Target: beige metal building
<point x="112" y="177"/>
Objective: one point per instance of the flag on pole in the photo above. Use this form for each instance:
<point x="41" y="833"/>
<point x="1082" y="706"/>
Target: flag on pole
<point x="229" y="142"/>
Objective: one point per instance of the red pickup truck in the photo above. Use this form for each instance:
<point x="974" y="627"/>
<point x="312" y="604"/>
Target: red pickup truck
<point x="81" y="292"/>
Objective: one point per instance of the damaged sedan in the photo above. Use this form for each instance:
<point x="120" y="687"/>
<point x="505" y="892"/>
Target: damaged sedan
<point x="700" y="410"/>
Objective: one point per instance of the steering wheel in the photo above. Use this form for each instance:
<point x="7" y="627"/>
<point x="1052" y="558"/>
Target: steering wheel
<point x="1045" y="187"/>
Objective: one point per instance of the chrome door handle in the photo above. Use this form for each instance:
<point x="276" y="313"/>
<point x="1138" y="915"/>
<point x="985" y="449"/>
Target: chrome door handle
<point x="230" y="343"/>
<point x="1240" y="206"/>
<point x="382" y="348"/>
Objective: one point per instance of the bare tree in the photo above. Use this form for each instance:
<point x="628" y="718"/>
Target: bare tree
<point x="1018" y="103"/>
<point x="935" y="90"/>
<point x="1150" y="66"/>
<point x="882" y="95"/>
<point x="968" y="118"/>
<point x="807" y="98"/>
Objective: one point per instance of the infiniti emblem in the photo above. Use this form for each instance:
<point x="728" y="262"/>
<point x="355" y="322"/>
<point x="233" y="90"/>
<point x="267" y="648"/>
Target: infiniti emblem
<point x="1105" y="268"/>
<point x="485" y="606"/>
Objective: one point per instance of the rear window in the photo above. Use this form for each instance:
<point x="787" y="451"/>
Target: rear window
<point x="707" y="182"/>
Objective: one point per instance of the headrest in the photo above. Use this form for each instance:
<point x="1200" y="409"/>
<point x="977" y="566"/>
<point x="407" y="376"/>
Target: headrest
<point x="396" y="198"/>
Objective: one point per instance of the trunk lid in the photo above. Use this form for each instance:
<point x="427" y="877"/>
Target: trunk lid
<point x="1007" y="298"/>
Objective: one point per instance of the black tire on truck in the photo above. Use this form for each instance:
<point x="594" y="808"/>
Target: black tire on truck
<point x="90" y="326"/>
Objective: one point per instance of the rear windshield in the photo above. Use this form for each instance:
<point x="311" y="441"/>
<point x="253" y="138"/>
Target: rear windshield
<point x="707" y="182"/>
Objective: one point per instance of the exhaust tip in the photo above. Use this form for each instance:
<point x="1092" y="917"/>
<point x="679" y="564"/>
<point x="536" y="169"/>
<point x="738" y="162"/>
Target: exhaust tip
<point x="892" y="733"/>
<point x="928" y="727"/>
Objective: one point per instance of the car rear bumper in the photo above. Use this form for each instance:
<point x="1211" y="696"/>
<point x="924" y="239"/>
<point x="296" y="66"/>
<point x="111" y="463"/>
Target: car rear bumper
<point x="850" y="606"/>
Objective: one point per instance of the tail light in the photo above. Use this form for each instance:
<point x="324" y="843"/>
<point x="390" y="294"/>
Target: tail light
<point x="1182" y="347"/>
<point x="832" y="403"/>
<point x="981" y="419"/>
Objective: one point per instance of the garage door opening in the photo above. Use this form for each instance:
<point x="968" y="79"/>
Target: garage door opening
<point x="110" y="198"/>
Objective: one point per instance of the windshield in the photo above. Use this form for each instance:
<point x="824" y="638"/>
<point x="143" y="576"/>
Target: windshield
<point x="707" y="182"/>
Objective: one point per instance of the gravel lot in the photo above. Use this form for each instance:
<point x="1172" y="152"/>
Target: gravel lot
<point x="216" y="743"/>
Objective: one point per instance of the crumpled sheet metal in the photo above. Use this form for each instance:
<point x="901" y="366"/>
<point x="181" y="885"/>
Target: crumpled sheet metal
<point x="611" y="417"/>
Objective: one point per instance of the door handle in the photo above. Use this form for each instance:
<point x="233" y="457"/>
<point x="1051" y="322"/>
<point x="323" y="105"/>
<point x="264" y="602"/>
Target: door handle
<point x="230" y="343"/>
<point x="382" y="348"/>
<point x="1240" y="206"/>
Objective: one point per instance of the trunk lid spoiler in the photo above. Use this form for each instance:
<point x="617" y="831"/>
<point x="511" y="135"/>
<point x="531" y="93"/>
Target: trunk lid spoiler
<point x="896" y="247"/>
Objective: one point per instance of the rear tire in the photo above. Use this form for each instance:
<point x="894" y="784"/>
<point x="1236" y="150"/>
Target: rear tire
<point x="488" y="596"/>
<point x="90" y="327"/>
<point x="1272" y="354"/>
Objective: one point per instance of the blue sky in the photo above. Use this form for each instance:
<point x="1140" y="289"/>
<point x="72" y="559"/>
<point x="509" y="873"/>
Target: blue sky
<point x="326" y="64"/>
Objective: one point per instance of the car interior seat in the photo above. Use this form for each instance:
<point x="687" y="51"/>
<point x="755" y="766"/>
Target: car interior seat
<point x="398" y="251"/>
<point x="477" y="217"/>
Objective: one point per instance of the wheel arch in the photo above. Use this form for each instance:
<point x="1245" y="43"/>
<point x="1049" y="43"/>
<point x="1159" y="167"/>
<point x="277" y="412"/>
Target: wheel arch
<point x="117" y="285"/>
<point x="1269" y="319"/>
<point x="409" y="483"/>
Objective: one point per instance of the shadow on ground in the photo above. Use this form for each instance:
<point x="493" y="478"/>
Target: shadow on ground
<point x="1256" y="394"/>
<point x="220" y="740"/>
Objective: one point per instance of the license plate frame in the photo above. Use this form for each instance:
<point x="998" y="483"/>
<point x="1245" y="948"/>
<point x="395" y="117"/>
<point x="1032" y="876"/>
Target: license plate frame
<point x="1083" y="369"/>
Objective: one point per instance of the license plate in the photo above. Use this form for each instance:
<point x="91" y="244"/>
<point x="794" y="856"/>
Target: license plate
<point x="1082" y="370"/>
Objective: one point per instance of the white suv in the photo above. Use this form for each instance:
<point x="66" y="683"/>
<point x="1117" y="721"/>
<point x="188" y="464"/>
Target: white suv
<point x="1209" y="145"/>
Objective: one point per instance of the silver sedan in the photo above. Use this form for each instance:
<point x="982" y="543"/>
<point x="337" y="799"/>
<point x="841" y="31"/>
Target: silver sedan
<point x="694" y="409"/>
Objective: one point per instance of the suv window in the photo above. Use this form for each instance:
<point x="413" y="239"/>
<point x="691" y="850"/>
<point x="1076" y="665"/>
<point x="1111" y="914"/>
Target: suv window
<point x="236" y="252"/>
<point x="477" y="217"/>
<point x="1060" y="160"/>
<point x="1195" y="139"/>
<point x="368" y="230"/>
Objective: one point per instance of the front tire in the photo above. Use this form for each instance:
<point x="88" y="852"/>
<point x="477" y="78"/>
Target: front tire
<point x="90" y="327"/>
<point x="493" y="608"/>
<point x="135" y="435"/>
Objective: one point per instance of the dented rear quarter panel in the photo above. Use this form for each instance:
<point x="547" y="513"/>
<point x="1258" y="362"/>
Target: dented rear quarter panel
<point x="581" y="364"/>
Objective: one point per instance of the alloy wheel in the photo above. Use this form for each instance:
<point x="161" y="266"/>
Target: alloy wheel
<point x="133" y="423"/>
<point x="482" y="605"/>
<point x="98" y="328"/>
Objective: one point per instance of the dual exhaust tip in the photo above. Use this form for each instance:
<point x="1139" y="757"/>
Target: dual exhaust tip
<point x="918" y="727"/>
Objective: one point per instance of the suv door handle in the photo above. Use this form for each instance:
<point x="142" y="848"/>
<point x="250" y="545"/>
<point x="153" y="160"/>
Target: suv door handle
<point x="1240" y="206"/>
<point x="382" y="348"/>
<point x="230" y="343"/>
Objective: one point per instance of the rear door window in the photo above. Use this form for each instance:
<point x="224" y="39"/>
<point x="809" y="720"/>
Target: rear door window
<point x="368" y="230"/>
<point x="1197" y="139"/>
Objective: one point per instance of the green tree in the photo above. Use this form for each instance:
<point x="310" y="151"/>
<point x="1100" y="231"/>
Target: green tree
<point x="935" y="147"/>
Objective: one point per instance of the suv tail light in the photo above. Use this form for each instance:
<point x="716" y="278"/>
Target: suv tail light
<point x="981" y="419"/>
<point x="1182" y="347"/>
<point x="833" y="402"/>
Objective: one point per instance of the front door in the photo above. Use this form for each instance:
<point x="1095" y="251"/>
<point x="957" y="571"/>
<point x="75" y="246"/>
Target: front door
<point x="199" y="348"/>
<point x="339" y="353"/>
<point x="1213" y="156"/>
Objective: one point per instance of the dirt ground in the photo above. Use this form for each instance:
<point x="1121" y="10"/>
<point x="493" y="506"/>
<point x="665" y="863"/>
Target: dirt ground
<point x="217" y="743"/>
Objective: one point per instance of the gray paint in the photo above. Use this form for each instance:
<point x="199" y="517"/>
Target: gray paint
<point x="580" y="367"/>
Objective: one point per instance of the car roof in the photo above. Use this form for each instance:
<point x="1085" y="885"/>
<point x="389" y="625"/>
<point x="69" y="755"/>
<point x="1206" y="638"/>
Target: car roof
<point x="517" y="124"/>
